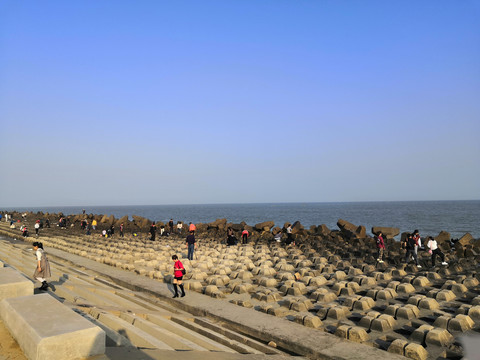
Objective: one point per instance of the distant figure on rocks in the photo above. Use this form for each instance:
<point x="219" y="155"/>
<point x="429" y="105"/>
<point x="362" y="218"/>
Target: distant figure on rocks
<point x="231" y="240"/>
<point x="25" y="231"/>
<point x="94" y="224"/>
<point x="42" y="271"/>
<point x="410" y="246"/>
<point x="278" y="237"/>
<point x="88" y="229"/>
<point x="289" y="235"/>
<point x="191" y="245"/>
<point x="434" y="250"/>
<point x="121" y="230"/>
<point x="112" y="230"/>
<point x="245" y="235"/>
<point x="418" y="241"/>
<point x="179" y="227"/>
<point x="37" y="227"/>
<point x="380" y="246"/>
<point x="47" y="223"/>
<point x="162" y="230"/>
<point x="178" y="272"/>
<point x="153" y="231"/>
<point x="170" y="225"/>
<point x="192" y="227"/>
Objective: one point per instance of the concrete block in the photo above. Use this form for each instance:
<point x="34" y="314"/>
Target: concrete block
<point x="386" y="294"/>
<point x="408" y="312"/>
<point x="357" y="334"/>
<point x="421" y="281"/>
<point x="312" y="321"/>
<point x="342" y="331"/>
<point x="438" y="337"/>
<point x="442" y="321"/>
<point x="427" y="303"/>
<point x="420" y="334"/>
<point x="405" y="288"/>
<point x="398" y="347"/>
<point x="460" y="323"/>
<point x="415" y="299"/>
<point x="445" y="295"/>
<point x="364" y="303"/>
<point x="474" y="313"/>
<point x="14" y="284"/>
<point x="416" y="352"/>
<point x="380" y="324"/>
<point x="45" y="329"/>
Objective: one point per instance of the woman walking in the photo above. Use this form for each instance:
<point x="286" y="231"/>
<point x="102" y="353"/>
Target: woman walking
<point x="178" y="272"/>
<point x="42" y="270"/>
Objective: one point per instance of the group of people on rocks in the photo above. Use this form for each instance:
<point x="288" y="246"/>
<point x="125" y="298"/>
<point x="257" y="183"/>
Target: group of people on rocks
<point x="412" y="243"/>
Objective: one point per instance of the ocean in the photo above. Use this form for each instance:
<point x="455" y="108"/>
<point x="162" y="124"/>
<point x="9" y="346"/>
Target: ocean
<point x="429" y="217"/>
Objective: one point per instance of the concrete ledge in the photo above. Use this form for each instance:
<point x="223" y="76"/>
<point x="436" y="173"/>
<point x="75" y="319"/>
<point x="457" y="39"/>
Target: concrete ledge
<point x="45" y="329"/>
<point x="13" y="284"/>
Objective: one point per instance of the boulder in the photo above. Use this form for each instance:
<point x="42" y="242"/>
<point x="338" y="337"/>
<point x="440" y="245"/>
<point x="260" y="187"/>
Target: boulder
<point x="388" y="232"/>
<point x="466" y="239"/>
<point x="351" y="231"/>
<point x="218" y="224"/>
<point x="443" y="236"/>
<point x="264" y="226"/>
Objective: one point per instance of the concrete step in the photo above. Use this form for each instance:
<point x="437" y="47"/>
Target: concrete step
<point x="207" y="324"/>
<point x="188" y="334"/>
<point x="172" y="339"/>
<point x="137" y="336"/>
<point x="213" y="335"/>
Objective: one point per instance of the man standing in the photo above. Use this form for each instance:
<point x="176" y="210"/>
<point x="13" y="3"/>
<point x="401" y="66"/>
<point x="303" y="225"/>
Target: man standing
<point x="170" y="225"/>
<point x="153" y="231"/>
<point x="191" y="245"/>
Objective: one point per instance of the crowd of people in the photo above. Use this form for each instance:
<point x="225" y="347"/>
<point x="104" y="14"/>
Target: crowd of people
<point x="412" y="243"/>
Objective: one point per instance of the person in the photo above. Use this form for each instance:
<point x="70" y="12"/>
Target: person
<point x="410" y="246"/>
<point x="289" y="235"/>
<point x="178" y="271"/>
<point x="245" y="236"/>
<point x="121" y="230"/>
<point x="278" y="236"/>
<point x="88" y="229"/>
<point x="153" y="231"/>
<point x="380" y="246"/>
<point x="42" y="271"/>
<point x="47" y="223"/>
<point x="94" y="224"/>
<point x="112" y="230"/>
<point x="37" y="227"/>
<point x="25" y="231"/>
<point x="231" y="240"/>
<point x="104" y="233"/>
<point x="162" y="230"/>
<point x="192" y="227"/>
<point x="179" y="227"/>
<point x="435" y="250"/>
<point x="191" y="245"/>
<point x="418" y="241"/>
<point x="170" y="225"/>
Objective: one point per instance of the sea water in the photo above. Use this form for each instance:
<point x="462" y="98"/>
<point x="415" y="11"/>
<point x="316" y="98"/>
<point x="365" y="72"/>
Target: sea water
<point x="429" y="217"/>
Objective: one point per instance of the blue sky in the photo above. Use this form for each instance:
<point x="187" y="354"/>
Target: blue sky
<point x="156" y="102"/>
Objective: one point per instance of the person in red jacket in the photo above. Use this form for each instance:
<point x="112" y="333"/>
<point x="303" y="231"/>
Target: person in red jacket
<point x="380" y="246"/>
<point x="178" y="271"/>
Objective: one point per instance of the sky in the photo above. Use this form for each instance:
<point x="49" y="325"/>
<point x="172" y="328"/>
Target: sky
<point x="198" y="102"/>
